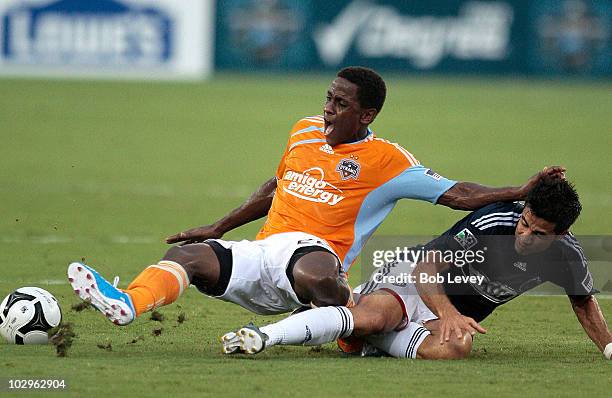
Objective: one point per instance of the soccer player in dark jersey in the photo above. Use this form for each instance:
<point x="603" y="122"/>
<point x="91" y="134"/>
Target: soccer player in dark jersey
<point x="514" y="247"/>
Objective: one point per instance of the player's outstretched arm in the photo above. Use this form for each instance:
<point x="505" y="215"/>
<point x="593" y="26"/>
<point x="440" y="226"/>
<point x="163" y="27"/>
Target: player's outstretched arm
<point x="592" y="320"/>
<point x="433" y="295"/>
<point x="255" y="207"/>
<point x="470" y="196"/>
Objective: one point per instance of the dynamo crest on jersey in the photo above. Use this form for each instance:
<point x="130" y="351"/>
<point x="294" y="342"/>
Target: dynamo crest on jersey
<point x="348" y="168"/>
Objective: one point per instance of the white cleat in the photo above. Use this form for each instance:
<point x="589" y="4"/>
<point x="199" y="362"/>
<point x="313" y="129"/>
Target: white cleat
<point x="230" y="342"/>
<point x="247" y="340"/>
<point x="105" y="297"/>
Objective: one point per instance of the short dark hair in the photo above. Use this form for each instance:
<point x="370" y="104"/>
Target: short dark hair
<point x="371" y="91"/>
<point x="556" y="201"/>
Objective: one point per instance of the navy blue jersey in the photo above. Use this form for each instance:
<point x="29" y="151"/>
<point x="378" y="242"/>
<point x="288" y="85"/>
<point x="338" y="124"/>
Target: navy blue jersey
<point x="504" y="273"/>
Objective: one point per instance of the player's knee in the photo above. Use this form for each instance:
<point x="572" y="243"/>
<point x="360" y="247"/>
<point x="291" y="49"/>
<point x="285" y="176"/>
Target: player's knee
<point x="181" y="255"/>
<point x="329" y="290"/>
<point x="460" y="348"/>
<point x="317" y="280"/>
<point x="193" y="258"/>
<point x="317" y="264"/>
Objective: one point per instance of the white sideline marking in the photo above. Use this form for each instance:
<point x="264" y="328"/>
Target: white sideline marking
<point x="41" y="282"/>
<point x="126" y="240"/>
<point x="55" y="239"/>
<point x="52" y="282"/>
<point x="43" y="240"/>
<point x="215" y="191"/>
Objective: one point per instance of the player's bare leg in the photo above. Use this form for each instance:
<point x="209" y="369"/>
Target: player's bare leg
<point x="199" y="261"/>
<point x="422" y="342"/>
<point x="318" y="280"/>
<point x="378" y="312"/>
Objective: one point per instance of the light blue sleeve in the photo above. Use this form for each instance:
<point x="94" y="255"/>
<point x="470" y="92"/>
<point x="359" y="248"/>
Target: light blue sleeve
<point x="418" y="182"/>
<point x="415" y="182"/>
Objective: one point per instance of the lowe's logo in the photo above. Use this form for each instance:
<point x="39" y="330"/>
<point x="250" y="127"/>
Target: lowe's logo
<point x="85" y="32"/>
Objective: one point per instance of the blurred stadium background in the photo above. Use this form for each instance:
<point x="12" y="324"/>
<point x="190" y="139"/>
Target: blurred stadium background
<point x="124" y="121"/>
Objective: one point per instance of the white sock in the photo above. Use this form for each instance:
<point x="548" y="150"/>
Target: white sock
<point x="402" y="344"/>
<point x="313" y="327"/>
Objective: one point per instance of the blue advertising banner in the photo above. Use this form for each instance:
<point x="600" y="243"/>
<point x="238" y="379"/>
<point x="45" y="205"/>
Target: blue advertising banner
<point x="136" y="38"/>
<point x="84" y="32"/>
<point x="456" y="36"/>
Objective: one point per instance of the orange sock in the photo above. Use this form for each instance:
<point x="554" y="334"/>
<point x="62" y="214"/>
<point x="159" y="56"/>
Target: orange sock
<point x="158" y="285"/>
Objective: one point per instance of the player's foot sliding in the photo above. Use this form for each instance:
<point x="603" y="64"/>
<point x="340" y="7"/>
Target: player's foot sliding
<point x="105" y="297"/>
<point x="312" y="327"/>
<point x="247" y="340"/>
<point x="157" y="285"/>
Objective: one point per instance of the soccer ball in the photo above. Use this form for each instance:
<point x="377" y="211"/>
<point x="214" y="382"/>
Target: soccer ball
<point x="27" y="314"/>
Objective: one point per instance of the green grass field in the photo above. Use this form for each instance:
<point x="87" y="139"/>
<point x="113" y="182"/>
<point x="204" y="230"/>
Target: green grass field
<point x="105" y="170"/>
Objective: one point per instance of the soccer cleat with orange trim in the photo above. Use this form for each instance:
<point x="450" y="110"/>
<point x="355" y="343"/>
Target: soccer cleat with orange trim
<point x="351" y="345"/>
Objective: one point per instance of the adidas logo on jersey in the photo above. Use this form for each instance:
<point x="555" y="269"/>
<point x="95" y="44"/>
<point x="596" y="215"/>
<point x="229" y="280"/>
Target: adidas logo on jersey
<point x="327" y="149"/>
<point x="311" y="185"/>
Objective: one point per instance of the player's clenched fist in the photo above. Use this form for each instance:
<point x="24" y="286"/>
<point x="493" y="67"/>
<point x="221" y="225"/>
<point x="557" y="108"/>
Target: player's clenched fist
<point x="194" y="235"/>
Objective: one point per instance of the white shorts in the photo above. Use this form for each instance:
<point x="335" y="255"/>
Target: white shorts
<point x="259" y="280"/>
<point x="406" y="293"/>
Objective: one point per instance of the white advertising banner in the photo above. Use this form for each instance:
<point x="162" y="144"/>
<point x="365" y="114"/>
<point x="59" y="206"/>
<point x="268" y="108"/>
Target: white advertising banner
<point x="156" y="39"/>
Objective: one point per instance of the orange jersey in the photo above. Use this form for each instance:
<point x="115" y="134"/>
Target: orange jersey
<point x="342" y="194"/>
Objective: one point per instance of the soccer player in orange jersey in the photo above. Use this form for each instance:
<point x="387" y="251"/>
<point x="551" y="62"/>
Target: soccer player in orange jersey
<point x="335" y="184"/>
